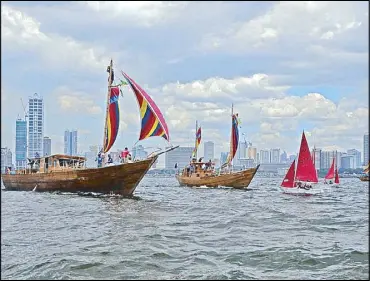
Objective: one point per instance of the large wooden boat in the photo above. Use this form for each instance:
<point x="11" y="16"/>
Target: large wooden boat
<point x="69" y="173"/>
<point x="203" y="174"/>
<point x="201" y="177"/>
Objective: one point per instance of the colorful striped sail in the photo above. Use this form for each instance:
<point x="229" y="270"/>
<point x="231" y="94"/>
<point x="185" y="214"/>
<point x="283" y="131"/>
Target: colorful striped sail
<point x="198" y="138"/>
<point x="112" y="119"/>
<point x="234" y="140"/>
<point x="152" y="121"/>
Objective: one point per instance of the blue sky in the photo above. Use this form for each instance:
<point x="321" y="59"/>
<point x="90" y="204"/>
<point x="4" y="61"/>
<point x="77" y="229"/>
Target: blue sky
<point x="286" y="66"/>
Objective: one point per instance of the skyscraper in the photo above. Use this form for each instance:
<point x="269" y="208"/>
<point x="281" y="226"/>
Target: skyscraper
<point x="275" y="155"/>
<point x="47" y="146"/>
<point x="209" y="151"/>
<point x="35" y="125"/>
<point x="70" y="142"/>
<point x="20" y="144"/>
<point x="366" y="149"/>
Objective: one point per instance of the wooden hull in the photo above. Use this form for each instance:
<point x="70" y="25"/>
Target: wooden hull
<point x="365" y="178"/>
<point x="240" y="179"/>
<point x="119" y="179"/>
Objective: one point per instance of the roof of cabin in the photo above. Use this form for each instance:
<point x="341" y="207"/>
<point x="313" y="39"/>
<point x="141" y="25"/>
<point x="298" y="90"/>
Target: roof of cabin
<point x="62" y="156"/>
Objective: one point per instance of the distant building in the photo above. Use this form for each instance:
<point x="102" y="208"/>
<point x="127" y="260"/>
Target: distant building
<point x="317" y="157"/>
<point x="292" y="158"/>
<point x="283" y="157"/>
<point x="348" y="161"/>
<point x="35" y="125"/>
<point x="241" y="153"/>
<point x="252" y="153"/>
<point x="366" y="149"/>
<point x="209" y="151"/>
<point x="138" y="152"/>
<point x="6" y="159"/>
<point x="47" y="146"/>
<point x="20" y="144"/>
<point x="264" y="156"/>
<point x="357" y="155"/>
<point x="180" y="155"/>
<point x="275" y="156"/>
<point x="70" y="142"/>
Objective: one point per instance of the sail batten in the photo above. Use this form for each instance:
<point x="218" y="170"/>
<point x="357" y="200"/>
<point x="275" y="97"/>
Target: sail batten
<point x="152" y="121"/>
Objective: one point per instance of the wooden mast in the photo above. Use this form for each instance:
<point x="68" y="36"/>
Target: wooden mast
<point x="231" y="143"/>
<point x="196" y="139"/>
<point x="106" y="111"/>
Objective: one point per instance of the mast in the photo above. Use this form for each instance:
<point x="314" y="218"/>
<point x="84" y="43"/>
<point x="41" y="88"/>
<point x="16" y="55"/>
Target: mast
<point x="196" y="139"/>
<point x="232" y="113"/>
<point x="108" y="96"/>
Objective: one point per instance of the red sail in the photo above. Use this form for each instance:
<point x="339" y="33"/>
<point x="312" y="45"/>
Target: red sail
<point x="305" y="168"/>
<point x="330" y="173"/>
<point x="288" y="181"/>
<point x="336" y="180"/>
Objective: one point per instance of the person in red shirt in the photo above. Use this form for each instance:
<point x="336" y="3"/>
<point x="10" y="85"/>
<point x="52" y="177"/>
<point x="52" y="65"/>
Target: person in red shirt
<point x="124" y="155"/>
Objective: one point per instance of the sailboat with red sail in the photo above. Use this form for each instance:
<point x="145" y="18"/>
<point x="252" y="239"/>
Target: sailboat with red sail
<point x="332" y="174"/>
<point x="301" y="176"/>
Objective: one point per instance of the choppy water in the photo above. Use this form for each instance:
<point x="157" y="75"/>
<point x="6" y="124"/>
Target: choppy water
<point x="172" y="232"/>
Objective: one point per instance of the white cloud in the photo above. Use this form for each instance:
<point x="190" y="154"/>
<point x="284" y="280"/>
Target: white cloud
<point x="76" y="102"/>
<point x="297" y="22"/>
<point x="21" y="31"/>
<point x="144" y="13"/>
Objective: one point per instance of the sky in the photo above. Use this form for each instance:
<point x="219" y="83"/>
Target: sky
<point x="285" y="66"/>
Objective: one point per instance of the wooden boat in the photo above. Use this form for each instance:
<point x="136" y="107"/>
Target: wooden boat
<point x="366" y="171"/>
<point x="332" y="174"/>
<point x="200" y="174"/>
<point x="69" y="173"/>
<point x="301" y="179"/>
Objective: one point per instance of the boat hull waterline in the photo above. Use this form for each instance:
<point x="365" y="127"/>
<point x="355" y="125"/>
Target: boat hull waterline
<point x="238" y="180"/>
<point x="119" y="179"/>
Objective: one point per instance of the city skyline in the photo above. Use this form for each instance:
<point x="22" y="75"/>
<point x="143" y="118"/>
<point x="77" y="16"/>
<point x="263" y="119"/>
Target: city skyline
<point x="319" y="85"/>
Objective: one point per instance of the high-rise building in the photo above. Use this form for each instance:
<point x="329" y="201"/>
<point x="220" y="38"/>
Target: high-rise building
<point x="6" y="159"/>
<point x="181" y="156"/>
<point x="241" y="153"/>
<point x="348" y="161"/>
<point x="264" y="156"/>
<point x="252" y="153"/>
<point x="209" y="151"/>
<point x="275" y="155"/>
<point x="35" y="125"/>
<point x="357" y="155"/>
<point x="366" y="149"/>
<point x="138" y="152"/>
<point x="70" y="142"/>
<point x="47" y="146"/>
<point x="20" y="144"/>
<point x="283" y="157"/>
<point x="317" y="157"/>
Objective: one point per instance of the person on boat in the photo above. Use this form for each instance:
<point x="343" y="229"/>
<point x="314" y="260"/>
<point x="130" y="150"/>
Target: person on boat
<point x="325" y="182"/>
<point x="37" y="155"/>
<point x="99" y="159"/>
<point x="200" y="159"/>
<point x="330" y="182"/>
<point x="124" y="155"/>
<point x="129" y="158"/>
<point x="110" y="159"/>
